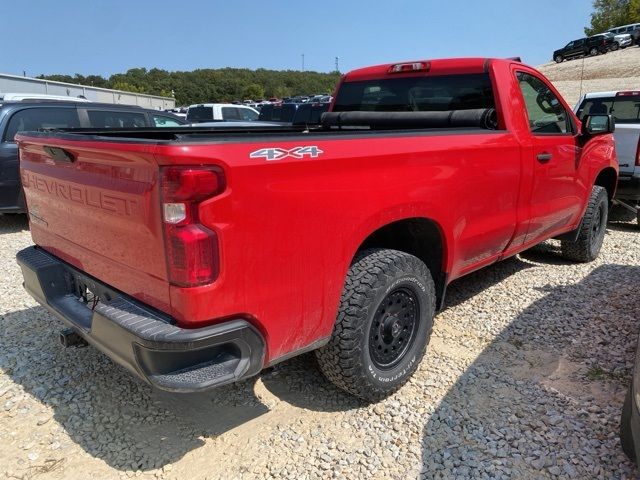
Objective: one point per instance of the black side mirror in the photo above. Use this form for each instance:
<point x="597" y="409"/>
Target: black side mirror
<point x="598" y="124"/>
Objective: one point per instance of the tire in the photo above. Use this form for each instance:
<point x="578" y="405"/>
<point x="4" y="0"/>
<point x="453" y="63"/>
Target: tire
<point x="592" y="229"/>
<point x="615" y="46"/>
<point x="388" y="301"/>
<point x="626" y="436"/>
<point x="593" y="52"/>
<point x="558" y="59"/>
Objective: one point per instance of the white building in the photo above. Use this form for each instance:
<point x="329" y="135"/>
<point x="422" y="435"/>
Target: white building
<point x="17" y="84"/>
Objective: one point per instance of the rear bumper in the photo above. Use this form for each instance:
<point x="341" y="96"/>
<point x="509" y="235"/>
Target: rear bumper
<point x="145" y="342"/>
<point x="628" y="188"/>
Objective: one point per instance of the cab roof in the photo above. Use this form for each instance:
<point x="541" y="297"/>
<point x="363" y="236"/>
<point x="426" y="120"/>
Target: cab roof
<point x="434" y="67"/>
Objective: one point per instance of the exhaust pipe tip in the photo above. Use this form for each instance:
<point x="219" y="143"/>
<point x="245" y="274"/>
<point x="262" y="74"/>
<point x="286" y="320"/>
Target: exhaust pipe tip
<point x="70" y="338"/>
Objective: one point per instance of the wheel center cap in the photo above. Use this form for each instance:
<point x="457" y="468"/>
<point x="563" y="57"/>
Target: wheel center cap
<point x="391" y="326"/>
<point x="395" y="329"/>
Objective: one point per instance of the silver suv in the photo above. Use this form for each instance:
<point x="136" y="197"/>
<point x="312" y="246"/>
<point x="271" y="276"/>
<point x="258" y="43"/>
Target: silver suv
<point x="633" y="29"/>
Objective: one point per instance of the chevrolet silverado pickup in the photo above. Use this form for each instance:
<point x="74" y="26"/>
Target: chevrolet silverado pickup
<point x="196" y="257"/>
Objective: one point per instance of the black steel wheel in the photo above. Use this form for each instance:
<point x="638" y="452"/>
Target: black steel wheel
<point x="393" y="328"/>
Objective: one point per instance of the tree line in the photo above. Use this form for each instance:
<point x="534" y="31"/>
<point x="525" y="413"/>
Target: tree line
<point x="612" y="13"/>
<point x="211" y="85"/>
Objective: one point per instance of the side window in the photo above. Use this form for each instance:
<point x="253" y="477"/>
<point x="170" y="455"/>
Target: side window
<point x="162" y="121"/>
<point x="115" y="119"/>
<point x="546" y="113"/>
<point x="35" y="118"/>
<point x="230" y="113"/>
<point x="248" y="115"/>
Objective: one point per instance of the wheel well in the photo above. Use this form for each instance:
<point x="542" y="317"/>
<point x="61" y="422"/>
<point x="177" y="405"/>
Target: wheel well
<point x="419" y="237"/>
<point x="607" y="178"/>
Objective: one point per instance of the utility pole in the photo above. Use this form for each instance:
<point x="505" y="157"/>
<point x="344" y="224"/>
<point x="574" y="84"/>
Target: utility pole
<point x="303" y="62"/>
<point x="337" y="68"/>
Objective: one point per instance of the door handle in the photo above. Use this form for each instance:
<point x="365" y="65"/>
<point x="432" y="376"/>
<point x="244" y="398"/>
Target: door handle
<point x="544" y="157"/>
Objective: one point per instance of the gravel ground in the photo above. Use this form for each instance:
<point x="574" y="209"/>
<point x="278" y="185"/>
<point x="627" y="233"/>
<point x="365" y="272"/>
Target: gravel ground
<point x="619" y="70"/>
<point x="524" y="378"/>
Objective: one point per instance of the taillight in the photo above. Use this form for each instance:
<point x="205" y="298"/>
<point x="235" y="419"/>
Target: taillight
<point x="192" y="249"/>
<point x="638" y="153"/>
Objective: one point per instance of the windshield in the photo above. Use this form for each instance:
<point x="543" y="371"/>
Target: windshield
<point x="624" y="109"/>
<point x="418" y="94"/>
<point x="200" y="114"/>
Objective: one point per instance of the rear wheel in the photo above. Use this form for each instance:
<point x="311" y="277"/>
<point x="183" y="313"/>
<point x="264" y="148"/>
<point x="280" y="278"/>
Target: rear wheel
<point x="592" y="229"/>
<point x="558" y="59"/>
<point x="383" y="326"/>
<point x="593" y="51"/>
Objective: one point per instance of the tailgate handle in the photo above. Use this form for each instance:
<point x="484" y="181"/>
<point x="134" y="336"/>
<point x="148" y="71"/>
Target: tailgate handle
<point x="59" y="154"/>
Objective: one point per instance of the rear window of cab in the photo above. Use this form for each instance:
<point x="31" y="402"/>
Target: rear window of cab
<point x="418" y="94"/>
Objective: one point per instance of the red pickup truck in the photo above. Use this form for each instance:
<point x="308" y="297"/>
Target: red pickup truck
<point x="196" y="257"/>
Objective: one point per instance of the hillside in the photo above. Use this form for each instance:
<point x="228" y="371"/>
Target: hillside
<point x="614" y="71"/>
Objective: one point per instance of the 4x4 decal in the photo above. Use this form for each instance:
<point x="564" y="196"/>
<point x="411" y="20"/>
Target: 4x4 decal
<point x="275" y="153"/>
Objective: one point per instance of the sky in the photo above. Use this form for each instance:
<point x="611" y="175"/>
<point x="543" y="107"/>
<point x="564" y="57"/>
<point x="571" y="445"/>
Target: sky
<point x="106" y="37"/>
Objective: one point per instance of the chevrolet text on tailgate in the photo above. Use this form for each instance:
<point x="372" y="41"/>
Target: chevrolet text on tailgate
<point x="196" y="257"/>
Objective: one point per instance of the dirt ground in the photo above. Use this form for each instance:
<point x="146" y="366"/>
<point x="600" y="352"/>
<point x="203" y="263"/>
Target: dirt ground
<point x="618" y="70"/>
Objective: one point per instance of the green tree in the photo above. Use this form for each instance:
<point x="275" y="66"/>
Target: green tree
<point x="612" y="13"/>
<point x="212" y="85"/>
<point x="127" y="87"/>
<point x="253" y="91"/>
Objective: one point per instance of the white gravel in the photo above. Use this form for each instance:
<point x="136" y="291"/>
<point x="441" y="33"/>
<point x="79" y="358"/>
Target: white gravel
<point x="524" y="378"/>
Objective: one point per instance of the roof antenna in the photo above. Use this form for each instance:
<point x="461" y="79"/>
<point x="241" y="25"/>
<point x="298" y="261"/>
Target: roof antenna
<point x="581" y="78"/>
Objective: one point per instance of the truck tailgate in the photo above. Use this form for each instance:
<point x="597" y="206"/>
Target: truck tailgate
<point x="99" y="210"/>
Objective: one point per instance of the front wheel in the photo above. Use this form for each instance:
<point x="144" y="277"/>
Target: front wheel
<point x="383" y="326"/>
<point x="593" y="52"/>
<point x="614" y="47"/>
<point x="558" y="59"/>
<point x="592" y="229"/>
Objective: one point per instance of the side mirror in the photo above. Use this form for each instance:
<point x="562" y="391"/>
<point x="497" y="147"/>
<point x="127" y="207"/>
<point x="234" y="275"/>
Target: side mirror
<point x="598" y="124"/>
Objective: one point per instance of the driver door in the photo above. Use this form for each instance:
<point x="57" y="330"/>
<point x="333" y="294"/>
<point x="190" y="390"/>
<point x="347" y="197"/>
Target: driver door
<point x="556" y="195"/>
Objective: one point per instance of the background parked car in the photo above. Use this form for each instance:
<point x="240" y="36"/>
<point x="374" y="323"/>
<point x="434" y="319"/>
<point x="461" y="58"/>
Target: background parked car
<point x="632" y="29"/>
<point x="278" y="113"/>
<point x="310" y="113"/>
<point x="625" y="108"/>
<point x="30" y="115"/>
<point x="581" y="47"/>
<point x="601" y="43"/>
<point x="622" y="40"/>
<point x="630" y="418"/>
<point x="216" y="112"/>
